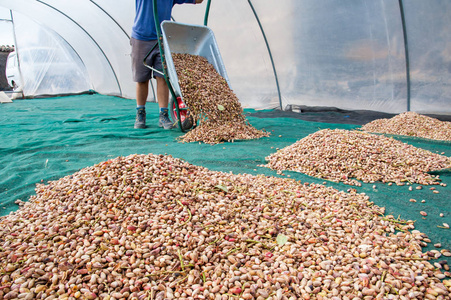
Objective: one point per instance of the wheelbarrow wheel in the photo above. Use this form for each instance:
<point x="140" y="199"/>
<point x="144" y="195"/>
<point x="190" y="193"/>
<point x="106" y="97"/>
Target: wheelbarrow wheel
<point x="185" y="117"/>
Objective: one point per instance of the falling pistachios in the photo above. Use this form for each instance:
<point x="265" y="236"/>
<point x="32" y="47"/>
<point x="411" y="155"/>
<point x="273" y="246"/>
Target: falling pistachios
<point x="212" y="104"/>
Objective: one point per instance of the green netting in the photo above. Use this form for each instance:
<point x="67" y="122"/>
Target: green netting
<point x="46" y="139"/>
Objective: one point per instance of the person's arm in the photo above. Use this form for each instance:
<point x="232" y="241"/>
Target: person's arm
<point x="188" y="1"/>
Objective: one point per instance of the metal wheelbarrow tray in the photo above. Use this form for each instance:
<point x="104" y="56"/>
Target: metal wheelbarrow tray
<point x="188" y="39"/>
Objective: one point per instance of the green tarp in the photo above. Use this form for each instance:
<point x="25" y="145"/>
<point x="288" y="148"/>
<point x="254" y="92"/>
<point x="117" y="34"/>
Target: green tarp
<point x="46" y="139"/>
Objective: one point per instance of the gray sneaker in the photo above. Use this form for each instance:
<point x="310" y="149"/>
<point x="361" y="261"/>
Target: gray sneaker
<point x="164" y="121"/>
<point x="140" y="121"/>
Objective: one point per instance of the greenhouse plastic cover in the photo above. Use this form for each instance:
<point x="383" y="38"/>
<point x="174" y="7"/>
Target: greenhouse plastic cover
<point x="345" y="54"/>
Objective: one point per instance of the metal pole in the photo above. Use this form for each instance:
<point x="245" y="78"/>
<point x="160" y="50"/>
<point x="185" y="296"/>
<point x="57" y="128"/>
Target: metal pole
<point x="406" y="48"/>
<point x="16" y="49"/>
<point x="269" y="51"/>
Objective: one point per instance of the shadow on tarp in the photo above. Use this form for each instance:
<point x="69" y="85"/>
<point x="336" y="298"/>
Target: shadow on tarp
<point x="46" y="139"/>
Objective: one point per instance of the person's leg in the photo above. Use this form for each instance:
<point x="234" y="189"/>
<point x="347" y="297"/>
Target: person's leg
<point x="142" y="90"/>
<point x="141" y="75"/>
<point x="162" y="92"/>
<point x="163" y="99"/>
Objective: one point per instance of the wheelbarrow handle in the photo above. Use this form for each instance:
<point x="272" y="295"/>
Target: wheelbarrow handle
<point x="163" y="59"/>
<point x="207" y="12"/>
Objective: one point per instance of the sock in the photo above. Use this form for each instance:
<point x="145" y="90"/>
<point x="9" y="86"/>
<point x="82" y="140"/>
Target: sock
<point x="163" y="109"/>
<point x="140" y="106"/>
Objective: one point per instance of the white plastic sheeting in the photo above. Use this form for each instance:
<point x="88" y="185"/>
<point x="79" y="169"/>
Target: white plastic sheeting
<point x="326" y="53"/>
<point x="48" y="65"/>
<point x="429" y="38"/>
<point x="347" y="54"/>
<point x="6" y="32"/>
<point x="94" y="34"/>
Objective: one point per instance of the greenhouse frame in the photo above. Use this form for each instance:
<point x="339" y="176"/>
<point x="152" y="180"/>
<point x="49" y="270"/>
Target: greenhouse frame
<point x="306" y="152"/>
<point x="389" y="56"/>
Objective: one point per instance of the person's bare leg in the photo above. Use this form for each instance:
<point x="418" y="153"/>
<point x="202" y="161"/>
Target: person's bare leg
<point x="162" y="93"/>
<point x="142" y="90"/>
<point x="163" y="100"/>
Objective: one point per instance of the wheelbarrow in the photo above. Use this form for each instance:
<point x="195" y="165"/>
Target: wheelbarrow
<point x="175" y="37"/>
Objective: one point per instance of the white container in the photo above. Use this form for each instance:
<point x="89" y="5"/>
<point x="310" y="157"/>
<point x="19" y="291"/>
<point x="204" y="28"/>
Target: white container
<point x="190" y="39"/>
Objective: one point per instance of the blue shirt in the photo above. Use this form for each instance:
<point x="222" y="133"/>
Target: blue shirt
<point x="144" y="24"/>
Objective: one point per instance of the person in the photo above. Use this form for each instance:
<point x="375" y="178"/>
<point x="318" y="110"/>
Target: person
<point x="143" y="39"/>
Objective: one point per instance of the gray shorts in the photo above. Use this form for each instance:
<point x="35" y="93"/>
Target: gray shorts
<point x="140" y="49"/>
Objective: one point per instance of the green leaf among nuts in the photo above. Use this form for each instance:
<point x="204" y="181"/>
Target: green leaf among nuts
<point x="281" y="239"/>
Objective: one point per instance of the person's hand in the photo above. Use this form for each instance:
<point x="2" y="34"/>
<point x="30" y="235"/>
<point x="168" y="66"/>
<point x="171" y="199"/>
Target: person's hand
<point x="199" y="1"/>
